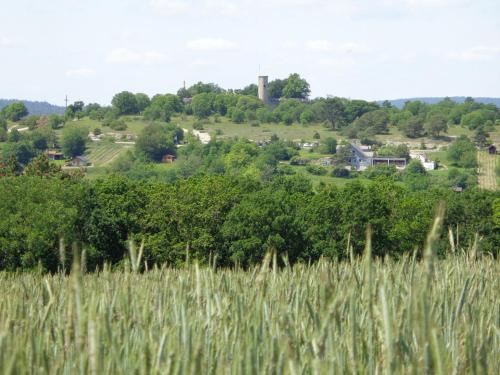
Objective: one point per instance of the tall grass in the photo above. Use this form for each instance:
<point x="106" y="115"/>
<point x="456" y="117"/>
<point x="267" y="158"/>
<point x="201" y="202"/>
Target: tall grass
<point x="363" y="316"/>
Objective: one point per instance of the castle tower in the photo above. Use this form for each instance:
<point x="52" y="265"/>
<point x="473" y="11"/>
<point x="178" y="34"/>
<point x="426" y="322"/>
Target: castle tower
<point x="263" y="86"/>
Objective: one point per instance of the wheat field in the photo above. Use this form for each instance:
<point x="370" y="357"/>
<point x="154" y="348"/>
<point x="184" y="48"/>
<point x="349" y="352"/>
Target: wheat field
<point x="406" y="316"/>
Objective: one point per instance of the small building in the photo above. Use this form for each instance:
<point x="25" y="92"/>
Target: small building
<point x="428" y="164"/>
<point x="168" y="159"/>
<point x="55" y="155"/>
<point x="492" y="150"/>
<point x="79" y="161"/>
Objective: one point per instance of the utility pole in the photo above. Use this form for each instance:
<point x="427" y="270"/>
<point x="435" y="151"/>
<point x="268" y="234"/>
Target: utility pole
<point x="66" y="101"/>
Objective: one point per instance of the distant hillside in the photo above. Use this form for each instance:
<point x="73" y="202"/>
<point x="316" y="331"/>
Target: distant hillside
<point x="399" y="103"/>
<point x="35" y="108"/>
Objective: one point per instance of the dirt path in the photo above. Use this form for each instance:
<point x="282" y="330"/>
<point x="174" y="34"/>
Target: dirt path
<point x="203" y="137"/>
<point x="486" y="173"/>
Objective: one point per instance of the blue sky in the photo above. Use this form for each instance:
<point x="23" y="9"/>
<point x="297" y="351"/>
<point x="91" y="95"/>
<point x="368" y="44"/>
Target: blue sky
<point x="369" y="49"/>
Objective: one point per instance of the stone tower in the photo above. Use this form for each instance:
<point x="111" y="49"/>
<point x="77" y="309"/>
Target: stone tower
<point x="263" y="86"/>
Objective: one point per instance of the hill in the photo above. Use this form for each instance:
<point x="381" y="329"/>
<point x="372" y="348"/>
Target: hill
<point x="35" y="108"/>
<point x="399" y="103"/>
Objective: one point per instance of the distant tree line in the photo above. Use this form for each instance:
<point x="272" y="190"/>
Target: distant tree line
<point x="236" y="219"/>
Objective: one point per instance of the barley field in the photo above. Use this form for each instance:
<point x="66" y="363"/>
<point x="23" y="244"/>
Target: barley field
<point x="359" y="317"/>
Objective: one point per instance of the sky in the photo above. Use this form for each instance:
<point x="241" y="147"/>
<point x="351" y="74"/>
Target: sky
<point x="364" y="49"/>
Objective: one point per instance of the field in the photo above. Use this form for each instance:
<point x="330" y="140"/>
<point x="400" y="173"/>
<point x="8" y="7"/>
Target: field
<point x="487" y="170"/>
<point x="405" y="316"/>
<point x="102" y="153"/>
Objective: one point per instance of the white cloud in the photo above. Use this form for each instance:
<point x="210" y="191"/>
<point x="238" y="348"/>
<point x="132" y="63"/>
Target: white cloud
<point x="478" y="53"/>
<point x="345" y="48"/>
<point x="127" y="56"/>
<point x="211" y="44"/>
<point x="170" y="6"/>
<point x="80" y="72"/>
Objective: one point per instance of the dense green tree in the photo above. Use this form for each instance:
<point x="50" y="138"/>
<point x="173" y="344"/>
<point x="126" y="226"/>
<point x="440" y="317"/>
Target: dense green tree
<point x="266" y="221"/>
<point x="371" y="123"/>
<point x="296" y="87"/>
<point x="357" y="108"/>
<point x="413" y="127"/>
<point x="462" y="153"/>
<point x="307" y="117"/>
<point x="201" y="88"/>
<point x="415" y="176"/>
<point x="15" y="111"/>
<point x="125" y="103"/>
<point x="36" y="214"/>
<point x="157" y="140"/>
<point x="74" y="139"/>
<point x="162" y="107"/>
<point x="202" y="105"/>
<point x="416" y="107"/>
<point x="237" y="116"/>
<point x="290" y="110"/>
<point x="436" y="124"/>
<point x="276" y="87"/>
<point x="250" y="90"/>
<point x="142" y="101"/>
<point x="331" y="111"/>
<point x="22" y="151"/>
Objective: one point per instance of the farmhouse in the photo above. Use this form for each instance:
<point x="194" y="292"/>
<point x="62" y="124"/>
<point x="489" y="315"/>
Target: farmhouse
<point x="361" y="159"/>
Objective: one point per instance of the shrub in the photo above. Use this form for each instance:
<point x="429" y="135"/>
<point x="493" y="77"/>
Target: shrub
<point x="341" y="172"/>
<point x="316" y="170"/>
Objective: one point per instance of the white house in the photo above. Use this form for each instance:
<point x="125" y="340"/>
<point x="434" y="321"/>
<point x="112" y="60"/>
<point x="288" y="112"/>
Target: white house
<point x="419" y="155"/>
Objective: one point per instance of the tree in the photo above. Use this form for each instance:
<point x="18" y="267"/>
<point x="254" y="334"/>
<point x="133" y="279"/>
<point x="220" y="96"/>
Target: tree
<point x="330" y="110"/>
<point x="15" y="111"/>
<point x="42" y="167"/>
<point x="435" y="124"/>
<point x="462" y="153"/>
<point x="307" y="117"/>
<point x="162" y="107"/>
<point x="370" y="123"/>
<point x="74" y="140"/>
<point x="296" y="87"/>
<point x="157" y="140"/>
<point x="329" y="146"/>
<point x="415" y="176"/>
<point x="413" y="127"/>
<point x="142" y="101"/>
<point x="276" y="87"/>
<point x="22" y="151"/>
<point x="481" y="137"/>
<point x="237" y="116"/>
<point x="202" y="105"/>
<point x="250" y="90"/>
<point x="357" y="108"/>
<point x="125" y="103"/>
<point x="55" y="121"/>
